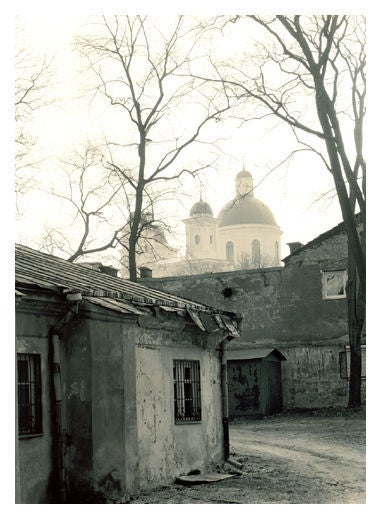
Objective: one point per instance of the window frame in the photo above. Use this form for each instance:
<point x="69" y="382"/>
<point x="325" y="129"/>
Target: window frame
<point x="29" y="394"/>
<point x="229" y="251"/>
<point x="345" y="362"/>
<point x="256" y="251"/>
<point x="325" y="274"/>
<point x="187" y="401"/>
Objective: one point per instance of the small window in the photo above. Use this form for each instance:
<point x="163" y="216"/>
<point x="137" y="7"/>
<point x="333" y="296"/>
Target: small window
<point x="276" y="252"/>
<point x="345" y="362"/>
<point x="256" y="253"/>
<point x="210" y="239"/>
<point x="29" y="393"/>
<point x="187" y="390"/>
<point x="230" y="251"/>
<point x="197" y="239"/>
<point x="334" y="283"/>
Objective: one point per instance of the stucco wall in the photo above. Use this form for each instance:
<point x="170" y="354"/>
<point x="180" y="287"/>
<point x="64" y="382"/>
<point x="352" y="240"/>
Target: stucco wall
<point x="100" y="375"/>
<point x="34" y="452"/>
<point x="242" y="237"/>
<point x="166" y="449"/>
<point x="34" y="318"/>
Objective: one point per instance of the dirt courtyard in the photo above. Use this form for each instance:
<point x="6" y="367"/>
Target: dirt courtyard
<point x="292" y="458"/>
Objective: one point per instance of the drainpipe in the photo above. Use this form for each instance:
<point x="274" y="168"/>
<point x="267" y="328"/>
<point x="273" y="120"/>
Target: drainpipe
<point x="225" y="397"/>
<point x="58" y="427"/>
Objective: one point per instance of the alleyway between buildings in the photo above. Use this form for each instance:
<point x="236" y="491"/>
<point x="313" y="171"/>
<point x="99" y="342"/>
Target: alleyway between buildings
<point x="294" y="458"/>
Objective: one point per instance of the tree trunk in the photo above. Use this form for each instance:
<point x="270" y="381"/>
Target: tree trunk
<point x="356" y="307"/>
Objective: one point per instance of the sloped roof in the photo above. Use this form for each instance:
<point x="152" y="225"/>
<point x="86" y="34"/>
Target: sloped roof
<point x="37" y="269"/>
<point x="255" y="353"/>
<point x="340" y="228"/>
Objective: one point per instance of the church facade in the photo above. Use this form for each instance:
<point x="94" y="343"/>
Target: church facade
<point x="244" y="235"/>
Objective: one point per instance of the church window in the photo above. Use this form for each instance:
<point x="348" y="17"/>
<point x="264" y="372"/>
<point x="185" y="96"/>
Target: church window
<point x="197" y="239"/>
<point x="276" y="252"/>
<point x="230" y="251"/>
<point x="210" y="239"/>
<point x="256" y="252"/>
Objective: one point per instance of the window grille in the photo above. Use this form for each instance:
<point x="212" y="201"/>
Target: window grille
<point x="187" y="390"/>
<point x="29" y="393"/>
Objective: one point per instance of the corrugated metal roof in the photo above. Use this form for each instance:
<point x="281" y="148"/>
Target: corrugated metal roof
<point x="35" y="268"/>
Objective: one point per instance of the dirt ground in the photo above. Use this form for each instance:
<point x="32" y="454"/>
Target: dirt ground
<point x="292" y="458"/>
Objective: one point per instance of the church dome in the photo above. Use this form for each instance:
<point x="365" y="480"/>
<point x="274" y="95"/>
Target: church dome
<point x="246" y="210"/>
<point x="201" y="208"/>
<point x="244" y="173"/>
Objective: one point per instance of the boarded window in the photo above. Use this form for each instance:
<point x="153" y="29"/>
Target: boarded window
<point x="29" y="393"/>
<point x="187" y="390"/>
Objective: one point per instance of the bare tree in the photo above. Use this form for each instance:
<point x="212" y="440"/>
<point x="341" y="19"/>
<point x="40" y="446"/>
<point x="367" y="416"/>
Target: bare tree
<point x="33" y="81"/>
<point x="89" y="194"/>
<point x="320" y="59"/>
<point x="144" y="75"/>
<point x="260" y="261"/>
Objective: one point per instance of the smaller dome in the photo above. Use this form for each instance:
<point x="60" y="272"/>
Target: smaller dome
<point x="201" y="208"/>
<point x="244" y="173"/>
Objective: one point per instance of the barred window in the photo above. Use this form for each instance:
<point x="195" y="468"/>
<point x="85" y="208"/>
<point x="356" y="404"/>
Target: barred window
<point x="29" y="393"/>
<point x="187" y="390"/>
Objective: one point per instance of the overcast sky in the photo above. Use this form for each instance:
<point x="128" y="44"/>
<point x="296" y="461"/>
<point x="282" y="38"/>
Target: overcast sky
<point x="292" y="207"/>
<point x="291" y="191"/>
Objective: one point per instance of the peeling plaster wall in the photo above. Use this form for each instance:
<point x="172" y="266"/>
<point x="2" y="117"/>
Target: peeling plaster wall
<point x="166" y="449"/>
<point x="100" y="375"/>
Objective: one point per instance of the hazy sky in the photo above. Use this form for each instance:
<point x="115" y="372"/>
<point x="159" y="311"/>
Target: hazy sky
<point x="291" y="191"/>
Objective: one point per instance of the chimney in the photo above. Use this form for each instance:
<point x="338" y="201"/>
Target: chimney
<point x="294" y="246"/>
<point x="111" y="271"/>
<point x="145" y="272"/>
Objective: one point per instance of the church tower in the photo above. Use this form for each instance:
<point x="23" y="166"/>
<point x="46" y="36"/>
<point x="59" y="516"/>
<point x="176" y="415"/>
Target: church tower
<point x="201" y="232"/>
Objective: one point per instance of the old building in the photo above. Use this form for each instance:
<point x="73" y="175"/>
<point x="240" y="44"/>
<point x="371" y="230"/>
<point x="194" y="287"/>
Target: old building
<point x="120" y="387"/>
<point x="297" y="312"/>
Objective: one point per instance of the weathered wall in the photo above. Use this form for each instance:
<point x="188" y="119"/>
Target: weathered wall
<point x="100" y="374"/>
<point x="284" y="308"/>
<point x="34" y="318"/>
<point x="166" y="449"/>
<point x="34" y="452"/>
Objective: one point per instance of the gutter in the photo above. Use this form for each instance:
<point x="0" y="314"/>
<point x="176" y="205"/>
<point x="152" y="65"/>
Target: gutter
<point x="57" y="417"/>
<point x="225" y="397"/>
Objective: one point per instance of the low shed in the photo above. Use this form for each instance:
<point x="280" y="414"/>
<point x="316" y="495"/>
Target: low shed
<point x="255" y="382"/>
